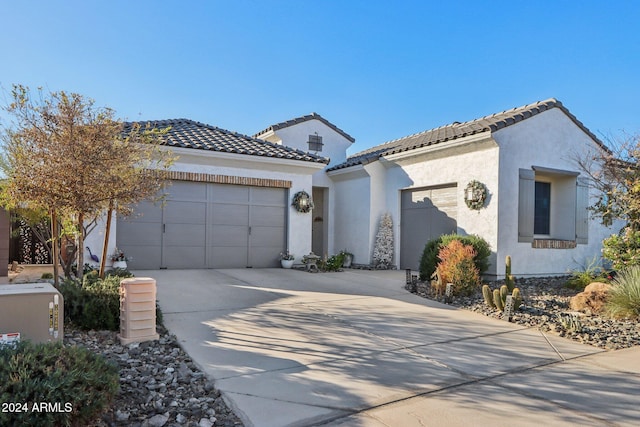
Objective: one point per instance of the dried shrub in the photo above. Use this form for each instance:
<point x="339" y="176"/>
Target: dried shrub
<point x="457" y="266"/>
<point x="429" y="259"/>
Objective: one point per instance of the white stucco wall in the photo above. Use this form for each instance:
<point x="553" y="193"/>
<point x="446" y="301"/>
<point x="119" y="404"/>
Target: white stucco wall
<point x="458" y="165"/>
<point x="352" y="213"/>
<point x="549" y="139"/>
<point x="296" y="136"/>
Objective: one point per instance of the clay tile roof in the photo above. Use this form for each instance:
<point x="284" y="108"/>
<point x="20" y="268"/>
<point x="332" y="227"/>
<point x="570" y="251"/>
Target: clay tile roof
<point x="191" y="134"/>
<point x="312" y="116"/>
<point x="457" y="130"/>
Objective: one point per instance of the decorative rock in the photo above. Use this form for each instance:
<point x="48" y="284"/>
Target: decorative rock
<point x="158" y="420"/>
<point x="592" y="299"/>
<point x="150" y="392"/>
<point x="122" y="416"/>
<point x="544" y="298"/>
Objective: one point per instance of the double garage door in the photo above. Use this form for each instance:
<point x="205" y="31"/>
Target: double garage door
<point x="205" y="225"/>
<point x="426" y="213"/>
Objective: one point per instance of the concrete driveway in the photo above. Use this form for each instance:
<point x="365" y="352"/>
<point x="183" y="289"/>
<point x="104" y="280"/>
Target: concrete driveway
<point x="289" y="348"/>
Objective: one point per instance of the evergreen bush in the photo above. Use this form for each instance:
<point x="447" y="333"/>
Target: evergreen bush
<point x="95" y="305"/>
<point x="78" y="383"/>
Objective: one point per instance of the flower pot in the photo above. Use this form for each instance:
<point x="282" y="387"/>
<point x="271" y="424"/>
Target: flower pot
<point x="286" y="263"/>
<point x="120" y="264"/>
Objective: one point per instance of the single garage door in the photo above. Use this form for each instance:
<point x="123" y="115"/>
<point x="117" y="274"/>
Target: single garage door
<point x="204" y="225"/>
<point x="426" y="213"/>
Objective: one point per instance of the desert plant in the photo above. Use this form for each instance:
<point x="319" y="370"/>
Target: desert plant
<point x="429" y="259"/>
<point x="592" y="272"/>
<point x="47" y="276"/>
<point x="80" y="382"/>
<point x="624" y="296"/>
<point x="457" y="267"/>
<point x="498" y="297"/>
<point x="570" y="322"/>
<point x="509" y="280"/>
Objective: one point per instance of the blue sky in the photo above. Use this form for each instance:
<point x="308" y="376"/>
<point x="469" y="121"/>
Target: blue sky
<point x="379" y="70"/>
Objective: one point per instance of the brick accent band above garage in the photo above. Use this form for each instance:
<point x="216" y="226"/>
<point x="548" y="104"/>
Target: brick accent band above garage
<point x="226" y="179"/>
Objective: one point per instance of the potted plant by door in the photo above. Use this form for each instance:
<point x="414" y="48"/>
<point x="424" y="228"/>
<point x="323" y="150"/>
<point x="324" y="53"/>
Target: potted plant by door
<point x="118" y="258"/>
<point x="286" y="259"/>
<point x="348" y="258"/>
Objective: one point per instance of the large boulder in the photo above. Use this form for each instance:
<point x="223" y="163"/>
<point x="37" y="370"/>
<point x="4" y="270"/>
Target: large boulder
<point x="592" y="299"/>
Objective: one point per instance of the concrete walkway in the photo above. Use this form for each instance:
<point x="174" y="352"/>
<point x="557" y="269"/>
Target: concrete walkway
<point x="289" y="348"/>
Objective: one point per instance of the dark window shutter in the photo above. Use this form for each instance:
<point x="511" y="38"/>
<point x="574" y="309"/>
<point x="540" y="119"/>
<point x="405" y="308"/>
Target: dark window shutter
<point x="526" y="205"/>
<point x="315" y="143"/>
<point x="582" y="211"/>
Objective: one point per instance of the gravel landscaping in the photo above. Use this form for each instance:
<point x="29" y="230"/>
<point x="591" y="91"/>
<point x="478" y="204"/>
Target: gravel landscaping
<point x="159" y="384"/>
<point x="546" y="306"/>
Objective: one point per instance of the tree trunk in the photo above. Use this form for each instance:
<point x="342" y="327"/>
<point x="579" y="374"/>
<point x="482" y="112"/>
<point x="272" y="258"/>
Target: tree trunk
<point x="105" y="245"/>
<point x="55" y="242"/>
<point x="80" y="246"/>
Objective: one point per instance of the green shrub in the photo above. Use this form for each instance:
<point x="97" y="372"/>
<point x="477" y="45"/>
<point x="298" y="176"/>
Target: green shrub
<point x="80" y="382"/>
<point x="624" y="297"/>
<point x="592" y="272"/>
<point x="623" y="249"/>
<point x="95" y="305"/>
<point x="456" y="266"/>
<point x="47" y="276"/>
<point x="123" y="273"/>
<point x="333" y="263"/>
<point x="429" y="260"/>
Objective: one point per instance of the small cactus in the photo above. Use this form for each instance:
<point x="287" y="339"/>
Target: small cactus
<point x="498" y="297"/>
<point x="509" y="280"/>
<point x="497" y="300"/>
<point x="504" y="291"/>
<point x="488" y="296"/>
<point x="517" y="298"/>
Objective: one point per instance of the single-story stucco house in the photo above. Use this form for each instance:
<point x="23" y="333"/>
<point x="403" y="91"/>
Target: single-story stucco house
<point x="230" y="202"/>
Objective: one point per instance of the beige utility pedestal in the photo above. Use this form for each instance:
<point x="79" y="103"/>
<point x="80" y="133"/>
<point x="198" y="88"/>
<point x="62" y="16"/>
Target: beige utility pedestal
<point x="137" y="310"/>
<point x="31" y="311"/>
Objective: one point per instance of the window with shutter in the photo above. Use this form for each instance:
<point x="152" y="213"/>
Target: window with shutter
<point x="552" y="208"/>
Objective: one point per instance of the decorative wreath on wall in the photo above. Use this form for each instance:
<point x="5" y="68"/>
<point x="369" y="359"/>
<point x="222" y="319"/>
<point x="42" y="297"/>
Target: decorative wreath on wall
<point x="475" y="195"/>
<point x="302" y="202"/>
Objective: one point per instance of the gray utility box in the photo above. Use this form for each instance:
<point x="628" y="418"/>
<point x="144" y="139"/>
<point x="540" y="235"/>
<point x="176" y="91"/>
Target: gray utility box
<point x="35" y="311"/>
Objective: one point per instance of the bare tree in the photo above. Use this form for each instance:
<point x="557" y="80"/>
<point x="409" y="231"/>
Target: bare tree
<point x="614" y="171"/>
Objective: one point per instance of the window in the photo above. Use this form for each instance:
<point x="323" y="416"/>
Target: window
<point x="552" y="206"/>
<point x="542" y="208"/>
<point x="315" y="143"/>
